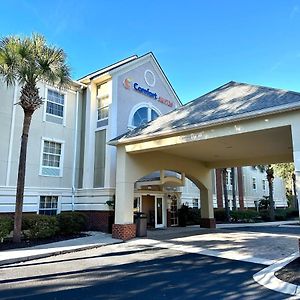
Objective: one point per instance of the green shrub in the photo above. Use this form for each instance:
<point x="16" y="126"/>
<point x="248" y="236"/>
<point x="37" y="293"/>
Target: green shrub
<point x="292" y="213"/>
<point x="244" y="215"/>
<point x="6" y="226"/>
<point x="39" y="226"/>
<point x="193" y="216"/>
<point x="220" y="214"/>
<point x="71" y="222"/>
<point x="265" y="215"/>
<point x="280" y="214"/>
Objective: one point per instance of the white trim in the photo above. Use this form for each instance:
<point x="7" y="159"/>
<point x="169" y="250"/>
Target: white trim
<point x="11" y="137"/>
<point x="61" y="162"/>
<point x="146" y="80"/>
<point x="149" y="106"/>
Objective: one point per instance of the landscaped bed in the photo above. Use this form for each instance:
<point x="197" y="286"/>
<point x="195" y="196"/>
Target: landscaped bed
<point x="290" y="273"/>
<point x="8" y="244"/>
<point x="41" y="229"/>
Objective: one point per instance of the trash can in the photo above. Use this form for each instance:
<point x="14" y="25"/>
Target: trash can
<point x="140" y="219"/>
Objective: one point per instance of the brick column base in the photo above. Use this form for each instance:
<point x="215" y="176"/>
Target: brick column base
<point x="124" y="232"/>
<point x="208" y="223"/>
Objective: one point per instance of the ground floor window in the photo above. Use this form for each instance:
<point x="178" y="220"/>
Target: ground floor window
<point x="48" y="205"/>
<point x="195" y="203"/>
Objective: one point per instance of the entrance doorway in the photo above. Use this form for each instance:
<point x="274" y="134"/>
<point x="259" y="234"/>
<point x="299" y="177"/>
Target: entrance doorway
<point x="154" y="207"/>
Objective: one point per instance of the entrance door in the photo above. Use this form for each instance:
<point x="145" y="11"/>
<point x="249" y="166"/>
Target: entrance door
<point x="174" y="212"/>
<point x="159" y="209"/>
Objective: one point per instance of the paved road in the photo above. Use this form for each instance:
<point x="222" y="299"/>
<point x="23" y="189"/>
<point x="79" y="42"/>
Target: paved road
<point x="282" y="230"/>
<point x="126" y="271"/>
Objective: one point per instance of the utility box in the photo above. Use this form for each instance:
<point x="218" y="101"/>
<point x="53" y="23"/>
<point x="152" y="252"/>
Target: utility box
<point x="140" y="219"/>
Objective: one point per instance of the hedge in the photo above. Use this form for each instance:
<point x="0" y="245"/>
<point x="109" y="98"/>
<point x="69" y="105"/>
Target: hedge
<point x="39" y="226"/>
<point x="6" y="226"/>
<point x="71" y="222"/>
<point x="244" y="215"/>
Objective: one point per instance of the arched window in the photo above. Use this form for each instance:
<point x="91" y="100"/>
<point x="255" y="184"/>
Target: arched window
<point x="143" y="115"/>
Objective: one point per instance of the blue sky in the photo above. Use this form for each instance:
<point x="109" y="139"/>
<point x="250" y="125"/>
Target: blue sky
<point x="199" y="44"/>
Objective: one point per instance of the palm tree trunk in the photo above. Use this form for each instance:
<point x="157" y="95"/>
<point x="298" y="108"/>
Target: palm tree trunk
<point x="233" y="189"/>
<point x="295" y="196"/>
<point x="21" y="177"/>
<point x="272" y="209"/>
<point x="225" y="192"/>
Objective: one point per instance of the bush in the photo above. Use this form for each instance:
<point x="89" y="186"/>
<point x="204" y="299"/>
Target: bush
<point x="244" y="215"/>
<point x="292" y="213"/>
<point x="6" y="226"/>
<point x="71" y="222"/>
<point x="193" y="216"/>
<point x="280" y="214"/>
<point x="39" y="226"/>
<point x="220" y="214"/>
<point x="265" y="215"/>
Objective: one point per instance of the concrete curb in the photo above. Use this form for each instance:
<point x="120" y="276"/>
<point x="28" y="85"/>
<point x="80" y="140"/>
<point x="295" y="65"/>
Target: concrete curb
<point x="55" y="252"/>
<point x="266" y="277"/>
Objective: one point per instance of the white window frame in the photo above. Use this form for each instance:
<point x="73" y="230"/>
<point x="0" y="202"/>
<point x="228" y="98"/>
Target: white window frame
<point x="58" y="210"/>
<point x="254" y="182"/>
<point x="107" y="106"/>
<point x="137" y="107"/>
<point x="61" y="162"/>
<point x="47" y="88"/>
<point x="195" y="199"/>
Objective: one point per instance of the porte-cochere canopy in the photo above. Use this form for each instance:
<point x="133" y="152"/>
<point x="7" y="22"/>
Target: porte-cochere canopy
<point x="236" y="124"/>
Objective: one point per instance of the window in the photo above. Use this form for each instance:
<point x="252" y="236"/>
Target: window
<point x="102" y="101"/>
<point x="48" y="205"/>
<point x="195" y="203"/>
<point x="137" y="204"/>
<point x="51" y="158"/>
<point x="143" y="115"/>
<point x="254" y="183"/>
<point x="55" y="103"/>
<point x="264" y="185"/>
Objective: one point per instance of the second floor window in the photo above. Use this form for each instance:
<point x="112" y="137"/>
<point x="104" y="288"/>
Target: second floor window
<point x="55" y="103"/>
<point x="143" y="115"/>
<point x="102" y="101"/>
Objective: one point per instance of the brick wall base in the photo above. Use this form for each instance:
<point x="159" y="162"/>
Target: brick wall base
<point x="124" y="232"/>
<point x="99" y="220"/>
<point x="208" y="223"/>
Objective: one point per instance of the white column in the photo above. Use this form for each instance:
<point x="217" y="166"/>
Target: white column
<point x="207" y="208"/>
<point x="89" y="142"/>
<point x="296" y="155"/>
<point x="124" y="189"/>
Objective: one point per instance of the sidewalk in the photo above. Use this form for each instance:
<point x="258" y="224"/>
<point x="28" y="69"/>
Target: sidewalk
<point x="94" y="240"/>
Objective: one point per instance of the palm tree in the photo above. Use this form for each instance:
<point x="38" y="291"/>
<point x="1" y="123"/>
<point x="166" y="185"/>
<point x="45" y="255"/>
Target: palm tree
<point x="26" y="61"/>
<point x="270" y="178"/>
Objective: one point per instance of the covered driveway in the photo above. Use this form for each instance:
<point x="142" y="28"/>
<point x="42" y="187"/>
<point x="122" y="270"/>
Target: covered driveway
<point x="235" y="125"/>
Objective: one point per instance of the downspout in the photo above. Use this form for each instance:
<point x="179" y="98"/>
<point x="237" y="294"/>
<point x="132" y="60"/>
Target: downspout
<point x="75" y="152"/>
<point x="11" y="137"/>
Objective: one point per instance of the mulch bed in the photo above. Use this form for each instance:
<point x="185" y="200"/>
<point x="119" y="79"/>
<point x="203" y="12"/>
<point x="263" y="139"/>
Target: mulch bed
<point x="290" y="273"/>
<point x="8" y="244"/>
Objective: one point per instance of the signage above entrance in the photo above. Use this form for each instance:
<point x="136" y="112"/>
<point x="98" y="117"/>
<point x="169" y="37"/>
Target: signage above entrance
<point x="136" y="87"/>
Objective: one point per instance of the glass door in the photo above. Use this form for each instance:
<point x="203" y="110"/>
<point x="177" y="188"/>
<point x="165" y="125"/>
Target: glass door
<point x="159" y="210"/>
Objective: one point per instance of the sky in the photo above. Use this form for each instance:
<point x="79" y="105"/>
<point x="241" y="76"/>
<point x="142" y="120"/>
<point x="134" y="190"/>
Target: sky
<point x="200" y="44"/>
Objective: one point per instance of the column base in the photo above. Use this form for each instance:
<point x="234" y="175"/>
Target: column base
<point x="124" y="232"/>
<point x="208" y="223"/>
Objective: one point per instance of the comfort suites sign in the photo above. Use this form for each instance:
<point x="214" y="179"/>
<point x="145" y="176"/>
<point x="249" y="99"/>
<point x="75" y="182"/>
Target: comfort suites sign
<point x="129" y="84"/>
